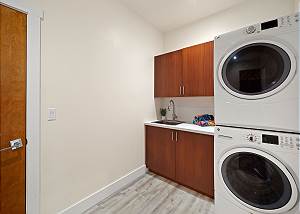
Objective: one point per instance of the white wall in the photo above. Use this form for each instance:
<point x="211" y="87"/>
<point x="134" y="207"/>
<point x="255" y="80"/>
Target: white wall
<point x="97" y="70"/>
<point x="244" y="14"/>
<point x="297" y="5"/>
<point x="206" y="29"/>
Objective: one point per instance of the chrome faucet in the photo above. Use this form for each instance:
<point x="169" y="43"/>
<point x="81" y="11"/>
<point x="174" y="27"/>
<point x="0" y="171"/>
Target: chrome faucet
<point x="174" y="116"/>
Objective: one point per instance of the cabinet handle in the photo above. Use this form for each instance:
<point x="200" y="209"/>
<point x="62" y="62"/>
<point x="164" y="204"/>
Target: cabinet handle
<point x="176" y="136"/>
<point x="172" y="136"/>
<point x="182" y="90"/>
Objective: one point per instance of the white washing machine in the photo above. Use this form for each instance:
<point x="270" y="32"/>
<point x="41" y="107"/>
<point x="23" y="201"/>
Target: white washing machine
<point x="257" y="76"/>
<point x="256" y="171"/>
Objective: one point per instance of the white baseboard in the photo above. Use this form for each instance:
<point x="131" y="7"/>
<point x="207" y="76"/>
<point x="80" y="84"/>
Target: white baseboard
<point x="104" y="192"/>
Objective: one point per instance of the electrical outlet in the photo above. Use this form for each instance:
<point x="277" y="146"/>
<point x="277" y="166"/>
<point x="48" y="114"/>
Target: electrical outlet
<point x="51" y="114"/>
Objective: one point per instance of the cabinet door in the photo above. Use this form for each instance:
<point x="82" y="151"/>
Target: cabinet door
<point x="195" y="162"/>
<point x="198" y="70"/>
<point x="168" y="74"/>
<point x="160" y="151"/>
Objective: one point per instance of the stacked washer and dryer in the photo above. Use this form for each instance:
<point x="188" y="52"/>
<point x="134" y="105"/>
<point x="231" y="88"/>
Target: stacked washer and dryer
<point x="257" y="156"/>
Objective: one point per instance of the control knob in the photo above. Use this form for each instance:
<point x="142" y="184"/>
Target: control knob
<point x="251" y="29"/>
<point x="251" y="138"/>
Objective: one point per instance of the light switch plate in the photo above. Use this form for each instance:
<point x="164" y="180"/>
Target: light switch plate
<point x="51" y="114"/>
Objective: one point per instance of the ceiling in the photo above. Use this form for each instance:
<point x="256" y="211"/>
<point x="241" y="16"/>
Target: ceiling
<point x="167" y="15"/>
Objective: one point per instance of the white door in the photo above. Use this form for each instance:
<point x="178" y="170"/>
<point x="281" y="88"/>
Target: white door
<point x="257" y="69"/>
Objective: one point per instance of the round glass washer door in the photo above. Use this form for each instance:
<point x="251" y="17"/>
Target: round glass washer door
<point x="258" y="180"/>
<point x="257" y="69"/>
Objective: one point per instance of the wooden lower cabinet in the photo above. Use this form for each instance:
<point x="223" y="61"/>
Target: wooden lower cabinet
<point x="160" y="151"/>
<point x="184" y="157"/>
<point x="195" y="162"/>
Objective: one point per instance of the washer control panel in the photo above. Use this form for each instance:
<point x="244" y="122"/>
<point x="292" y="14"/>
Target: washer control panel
<point x="289" y="142"/>
<point x="282" y="140"/>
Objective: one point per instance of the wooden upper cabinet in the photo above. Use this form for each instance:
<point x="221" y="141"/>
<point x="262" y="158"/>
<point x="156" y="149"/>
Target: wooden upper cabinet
<point x="198" y="70"/>
<point x="168" y="74"/>
<point x="186" y="72"/>
<point x="195" y="162"/>
<point x="160" y="151"/>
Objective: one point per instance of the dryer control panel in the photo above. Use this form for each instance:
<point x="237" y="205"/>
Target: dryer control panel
<point x="288" y="20"/>
<point x="284" y="21"/>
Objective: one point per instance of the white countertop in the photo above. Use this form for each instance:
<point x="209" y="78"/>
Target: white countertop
<point x="208" y="130"/>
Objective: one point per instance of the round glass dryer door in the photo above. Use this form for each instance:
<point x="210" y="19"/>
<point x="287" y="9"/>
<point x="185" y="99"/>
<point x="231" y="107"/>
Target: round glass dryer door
<point x="258" y="181"/>
<point x="257" y="70"/>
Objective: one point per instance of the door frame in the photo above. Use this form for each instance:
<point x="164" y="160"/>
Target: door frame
<point x="33" y="102"/>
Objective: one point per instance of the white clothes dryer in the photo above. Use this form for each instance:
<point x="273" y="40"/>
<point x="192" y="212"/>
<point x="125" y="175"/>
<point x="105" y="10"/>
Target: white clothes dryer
<point x="257" y="76"/>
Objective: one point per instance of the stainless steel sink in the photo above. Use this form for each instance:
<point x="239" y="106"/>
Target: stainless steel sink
<point x="169" y="122"/>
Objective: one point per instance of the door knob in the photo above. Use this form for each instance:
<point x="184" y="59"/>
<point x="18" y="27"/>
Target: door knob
<point x="14" y="144"/>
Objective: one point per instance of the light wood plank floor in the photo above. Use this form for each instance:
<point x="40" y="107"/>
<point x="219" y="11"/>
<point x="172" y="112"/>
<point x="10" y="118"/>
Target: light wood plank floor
<point x="154" y="194"/>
